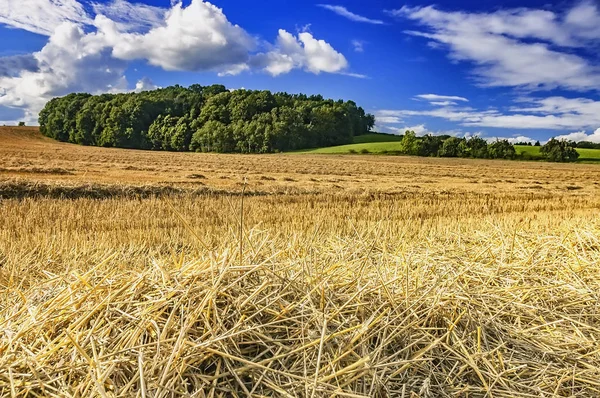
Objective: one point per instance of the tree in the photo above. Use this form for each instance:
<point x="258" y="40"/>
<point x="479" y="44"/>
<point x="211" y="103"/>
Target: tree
<point x="21" y="124"/>
<point x="559" y="151"/>
<point x="430" y="145"/>
<point x="410" y="144"/>
<point x="452" y="147"/>
<point x="502" y="149"/>
<point x="588" y="145"/>
<point x="537" y="143"/>
<point x="477" y="147"/>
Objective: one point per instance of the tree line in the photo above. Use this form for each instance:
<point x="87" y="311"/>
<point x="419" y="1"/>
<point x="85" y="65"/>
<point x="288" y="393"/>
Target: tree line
<point x="476" y="147"/>
<point x="204" y="118"/>
<point x="455" y="147"/>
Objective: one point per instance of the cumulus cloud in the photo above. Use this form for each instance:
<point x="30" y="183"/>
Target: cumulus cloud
<point x="344" y="12"/>
<point x="71" y="61"/>
<point x="304" y="51"/>
<point x="521" y="47"/>
<point x="582" y="136"/>
<point x="194" y="38"/>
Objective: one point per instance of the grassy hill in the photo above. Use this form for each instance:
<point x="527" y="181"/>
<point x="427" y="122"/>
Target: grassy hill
<point x="377" y="137"/>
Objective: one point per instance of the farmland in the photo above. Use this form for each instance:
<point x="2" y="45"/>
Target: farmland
<point x="129" y="272"/>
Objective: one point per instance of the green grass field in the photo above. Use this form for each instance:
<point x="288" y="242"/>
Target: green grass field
<point x="585" y="155"/>
<point x="376" y="137"/>
<point x="387" y="143"/>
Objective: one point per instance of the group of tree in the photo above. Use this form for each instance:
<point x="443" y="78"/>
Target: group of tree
<point x="559" y="151"/>
<point x="454" y="147"/>
<point x="204" y="118"/>
<point x="555" y="150"/>
<point x="588" y="145"/>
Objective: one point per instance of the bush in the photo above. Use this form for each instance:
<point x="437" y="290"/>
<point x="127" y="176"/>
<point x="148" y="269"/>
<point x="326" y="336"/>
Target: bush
<point x="364" y="151"/>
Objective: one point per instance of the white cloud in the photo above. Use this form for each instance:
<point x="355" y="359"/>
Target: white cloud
<point x="512" y="140"/>
<point x="582" y="136"/>
<point x="71" y="61"/>
<point x="359" y="45"/>
<point x="145" y="84"/>
<point x="194" y="38"/>
<point x="420" y="129"/>
<point x="132" y="17"/>
<point x="519" y="47"/>
<point x="305" y="52"/>
<point x="344" y="12"/>
<point x="552" y="113"/>
<point x="443" y="103"/>
<point x="435" y="97"/>
<point x="41" y="16"/>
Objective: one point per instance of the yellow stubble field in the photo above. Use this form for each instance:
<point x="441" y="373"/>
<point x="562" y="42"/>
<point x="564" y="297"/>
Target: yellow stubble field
<point x="154" y="274"/>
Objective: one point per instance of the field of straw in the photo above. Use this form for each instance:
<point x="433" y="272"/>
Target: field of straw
<point x="141" y="274"/>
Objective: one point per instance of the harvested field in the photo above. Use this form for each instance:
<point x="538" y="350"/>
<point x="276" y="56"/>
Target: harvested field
<point x="330" y="276"/>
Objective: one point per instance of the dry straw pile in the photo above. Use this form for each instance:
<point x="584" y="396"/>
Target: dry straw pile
<point x="420" y="296"/>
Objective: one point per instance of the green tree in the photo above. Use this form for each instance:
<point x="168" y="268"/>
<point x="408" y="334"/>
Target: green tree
<point x="477" y="147"/>
<point x="502" y="149"/>
<point x="410" y="144"/>
<point x="430" y="145"/>
<point x="559" y="151"/>
<point x="452" y="147"/>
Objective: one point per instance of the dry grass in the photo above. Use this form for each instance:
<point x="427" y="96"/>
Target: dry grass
<point x="367" y="290"/>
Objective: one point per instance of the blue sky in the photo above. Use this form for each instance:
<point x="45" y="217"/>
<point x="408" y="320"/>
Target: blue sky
<point x="515" y="69"/>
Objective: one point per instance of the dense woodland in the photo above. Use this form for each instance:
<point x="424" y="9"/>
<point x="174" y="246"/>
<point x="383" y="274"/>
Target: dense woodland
<point x="207" y="119"/>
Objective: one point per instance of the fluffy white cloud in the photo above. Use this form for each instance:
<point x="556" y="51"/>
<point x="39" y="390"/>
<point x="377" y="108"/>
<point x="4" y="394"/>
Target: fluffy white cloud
<point x="344" y="12"/>
<point x="305" y="52"/>
<point x="519" y="47"/>
<point x="582" y="136"/>
<point x="71" y="61"/>
<point x="194" y="38"/>
<point x="41" y="16"/>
